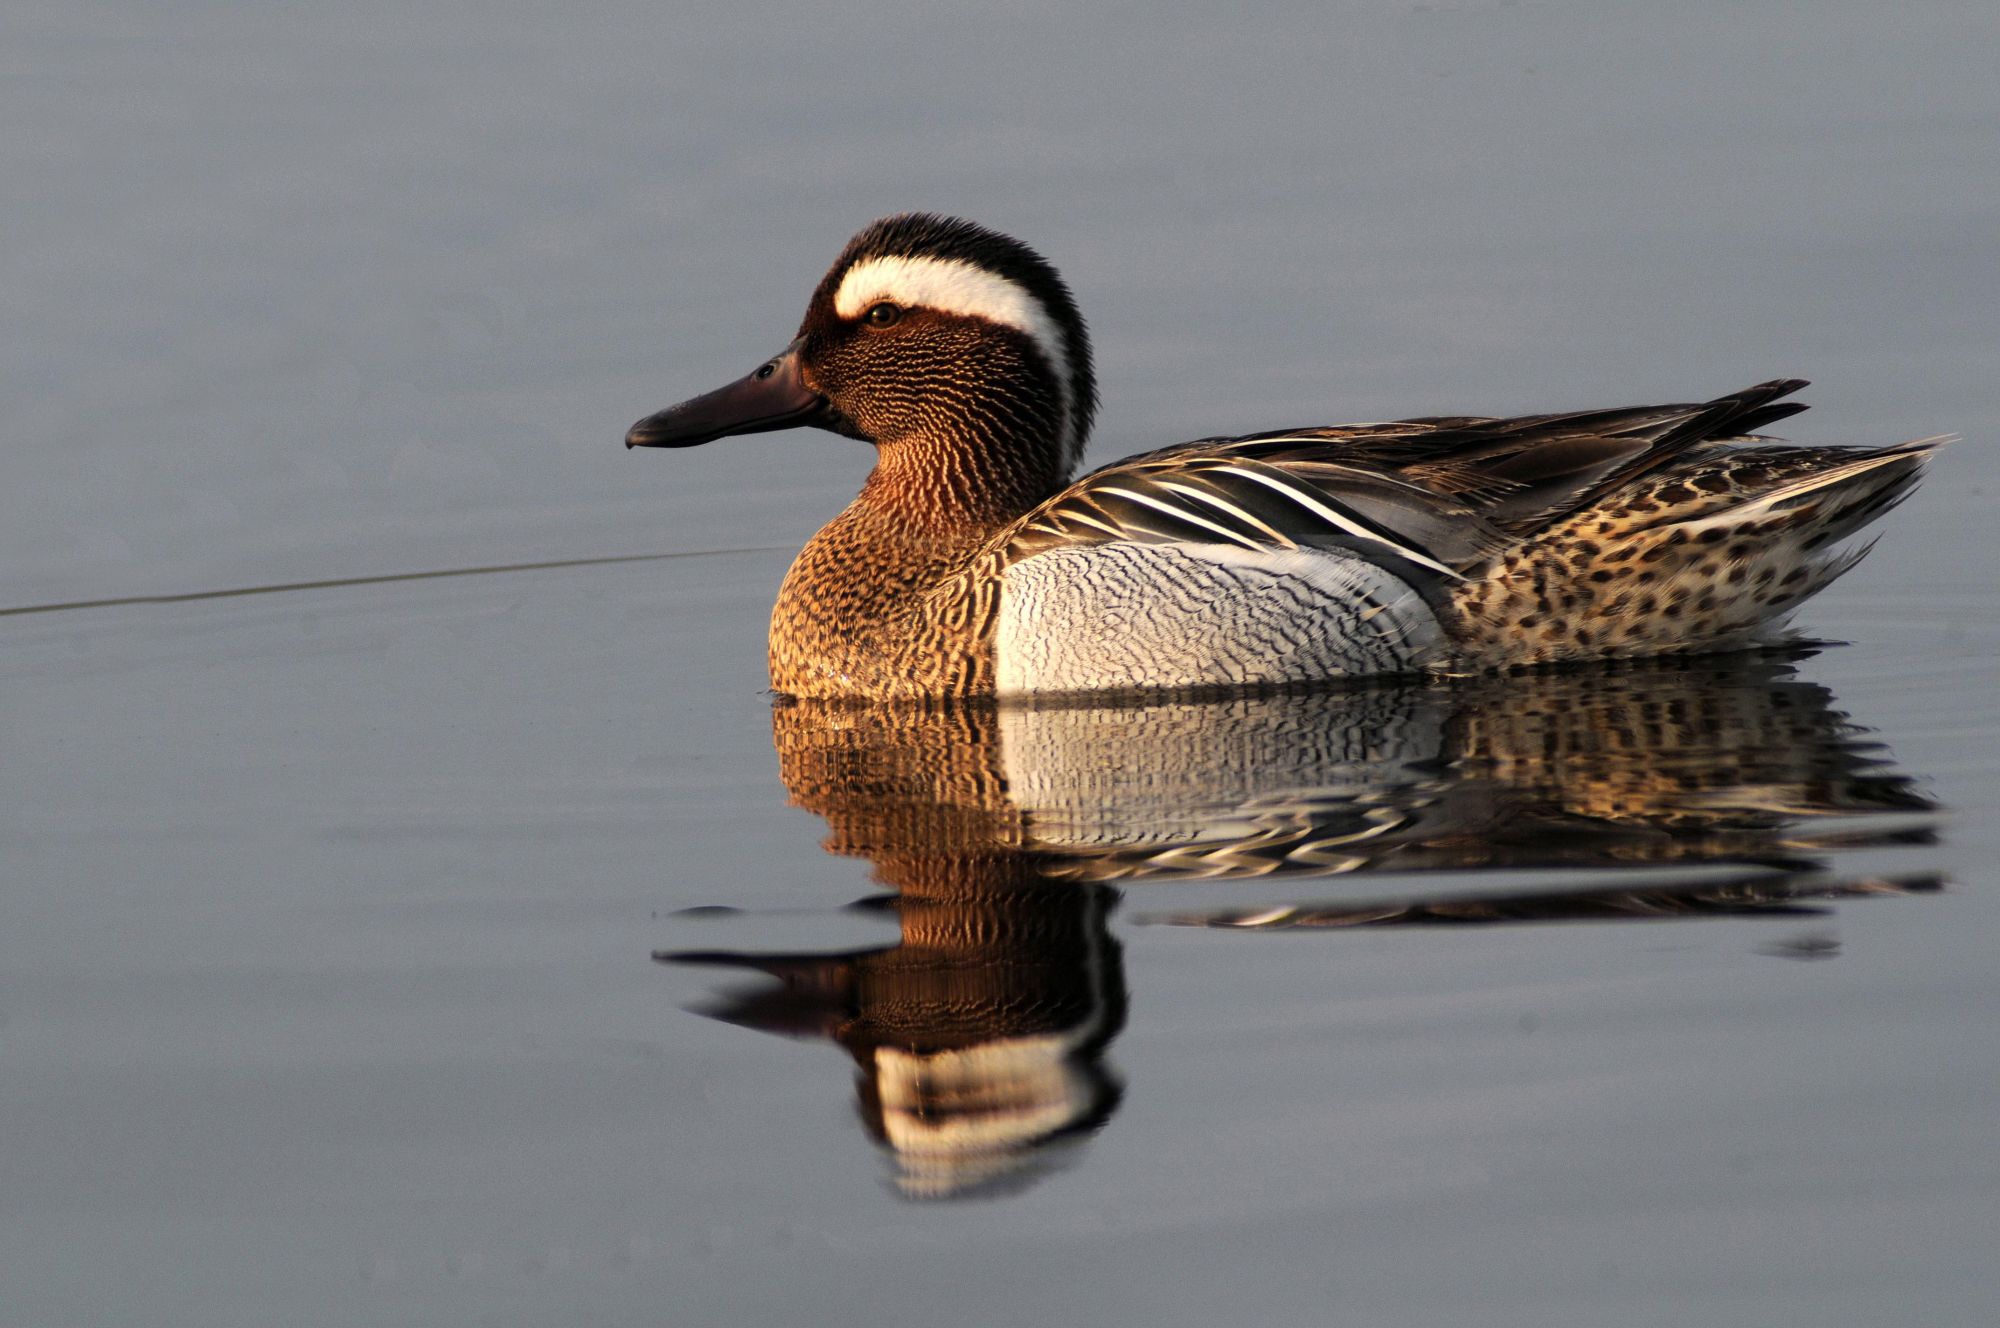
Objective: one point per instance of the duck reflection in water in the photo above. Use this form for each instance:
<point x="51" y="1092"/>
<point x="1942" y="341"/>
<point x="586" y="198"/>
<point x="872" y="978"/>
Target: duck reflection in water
<point x="1679" y="788"/>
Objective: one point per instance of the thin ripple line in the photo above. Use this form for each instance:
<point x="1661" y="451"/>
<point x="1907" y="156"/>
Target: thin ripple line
<point x="235" y="592"/>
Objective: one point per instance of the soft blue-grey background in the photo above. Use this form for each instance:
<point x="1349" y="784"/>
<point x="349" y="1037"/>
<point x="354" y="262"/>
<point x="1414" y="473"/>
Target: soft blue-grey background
<point x="323" y="966"/>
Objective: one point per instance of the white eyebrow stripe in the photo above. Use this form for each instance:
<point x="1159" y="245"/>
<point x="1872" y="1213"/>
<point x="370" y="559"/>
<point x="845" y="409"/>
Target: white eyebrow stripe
<point x="954" y="286"/>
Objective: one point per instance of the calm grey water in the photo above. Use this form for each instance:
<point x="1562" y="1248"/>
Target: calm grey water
<point x="328" y="989"/>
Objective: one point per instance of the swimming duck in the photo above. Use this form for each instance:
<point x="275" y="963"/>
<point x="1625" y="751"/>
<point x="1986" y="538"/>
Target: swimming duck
<point x="972" y="564"/>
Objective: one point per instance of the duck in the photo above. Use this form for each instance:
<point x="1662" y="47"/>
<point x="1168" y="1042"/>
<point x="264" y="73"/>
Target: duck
<point x="974" y="563"/>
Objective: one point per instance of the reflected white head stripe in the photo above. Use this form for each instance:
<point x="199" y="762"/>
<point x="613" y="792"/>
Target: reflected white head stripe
<point x="954" y="286"/>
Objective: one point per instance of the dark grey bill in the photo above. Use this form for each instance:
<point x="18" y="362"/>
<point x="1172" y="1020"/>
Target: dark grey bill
<point x="773" y="397"/>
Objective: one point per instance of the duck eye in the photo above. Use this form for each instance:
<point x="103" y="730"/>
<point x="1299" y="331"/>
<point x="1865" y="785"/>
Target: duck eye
<point x="882" y="314"/>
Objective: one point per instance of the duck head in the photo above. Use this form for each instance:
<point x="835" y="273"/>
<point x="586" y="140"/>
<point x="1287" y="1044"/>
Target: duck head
<point x="926" y="330"/>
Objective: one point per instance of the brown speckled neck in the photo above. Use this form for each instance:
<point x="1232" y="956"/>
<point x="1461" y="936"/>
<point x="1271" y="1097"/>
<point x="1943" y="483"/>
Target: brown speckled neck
<point x="853" y="615"/>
